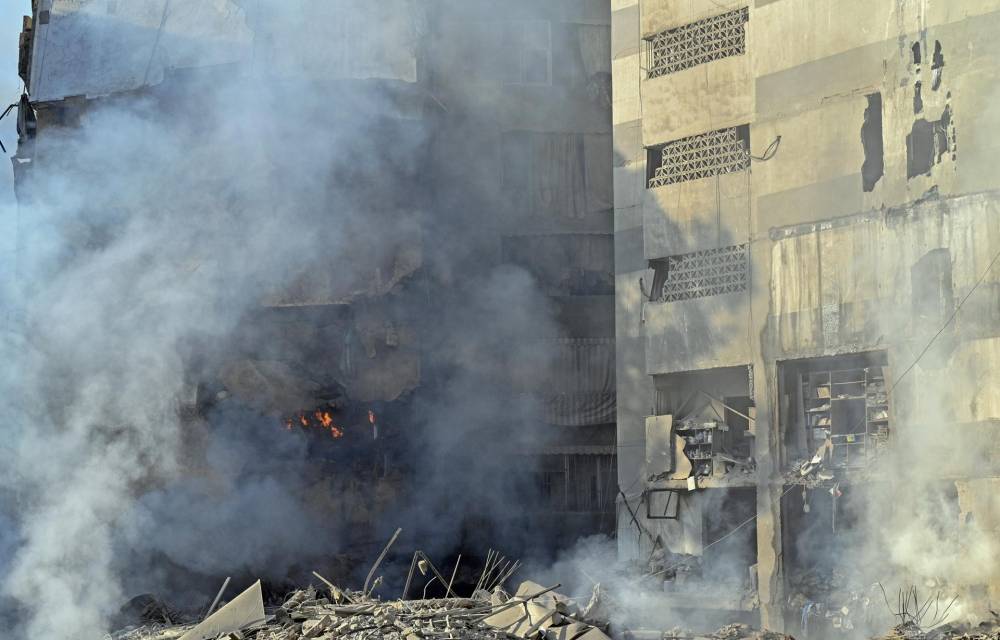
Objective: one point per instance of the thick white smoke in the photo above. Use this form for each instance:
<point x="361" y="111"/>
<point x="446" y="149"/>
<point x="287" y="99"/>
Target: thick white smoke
<point x="158" y="222"/>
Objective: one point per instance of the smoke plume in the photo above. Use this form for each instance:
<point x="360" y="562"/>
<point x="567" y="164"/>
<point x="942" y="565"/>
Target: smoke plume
<point x="155" y="227"/>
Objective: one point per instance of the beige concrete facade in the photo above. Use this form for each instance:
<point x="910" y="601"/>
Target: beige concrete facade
<point x="834" y="256"/>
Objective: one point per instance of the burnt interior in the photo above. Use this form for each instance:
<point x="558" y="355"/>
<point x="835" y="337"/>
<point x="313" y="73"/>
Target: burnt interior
<point x="840" y="400"/>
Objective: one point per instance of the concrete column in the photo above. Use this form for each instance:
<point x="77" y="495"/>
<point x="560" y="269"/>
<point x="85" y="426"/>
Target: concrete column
<point x="770" y="572"/>
<point x="635" y="388"/>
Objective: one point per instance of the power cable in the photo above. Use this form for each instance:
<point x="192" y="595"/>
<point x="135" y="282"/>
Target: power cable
<point x="769" y="152"/>
<point x="946" y="323"/>
<point x="930" y="342"/>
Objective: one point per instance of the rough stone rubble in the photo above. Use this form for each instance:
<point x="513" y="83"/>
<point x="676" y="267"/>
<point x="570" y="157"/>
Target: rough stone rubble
<point x="327" y="613"/>
<point x="533" y="612"/>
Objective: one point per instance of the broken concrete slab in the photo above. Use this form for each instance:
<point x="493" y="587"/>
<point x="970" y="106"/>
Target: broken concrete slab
<point x="243" y="612"/>
<point x="315" y="628"/>
<point x="593" y="634"/>
<point x="551" y="599"/>
<point x="571" y="631"/>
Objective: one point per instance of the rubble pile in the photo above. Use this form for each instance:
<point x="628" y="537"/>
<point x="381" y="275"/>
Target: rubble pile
<point x="835" y="600"/>
<point x="982" y="631"/>
<point x="327" y="612"/>
<point x="729" y="632"/>
<point x="744" y="632"/>
<point x="533" y="612"/>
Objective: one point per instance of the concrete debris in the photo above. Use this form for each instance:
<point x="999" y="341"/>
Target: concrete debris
<point x="534" y="612"/>
<point x="982" y="631"/>
<point x="145" y="609"/>
<point x="742" y="631"/>
<point x="243" y="612"/>
<point x="728" y="632"/>
<point x="834" y="602"/>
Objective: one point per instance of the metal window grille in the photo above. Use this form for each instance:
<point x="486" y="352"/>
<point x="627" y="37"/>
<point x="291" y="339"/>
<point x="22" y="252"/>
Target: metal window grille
<point x="700" y="156"/>
<point x="704" y="273"/>
<point x="696" y="43"/>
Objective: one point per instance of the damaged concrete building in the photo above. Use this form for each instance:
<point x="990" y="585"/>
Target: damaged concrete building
<point x="763" y="233"/>
<point x="526" y="137"/>
<point x="804" y="198"/>
<point x="499" y="123"/>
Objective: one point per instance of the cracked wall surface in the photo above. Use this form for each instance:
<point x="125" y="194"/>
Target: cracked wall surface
<point x="887" y="138"/>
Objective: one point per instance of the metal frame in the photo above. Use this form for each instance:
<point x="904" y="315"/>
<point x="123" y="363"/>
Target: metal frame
<point x="676" y="503"/>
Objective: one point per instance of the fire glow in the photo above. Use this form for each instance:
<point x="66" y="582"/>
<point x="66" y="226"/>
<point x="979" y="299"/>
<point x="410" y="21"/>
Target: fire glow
<point x="318" y="419"/>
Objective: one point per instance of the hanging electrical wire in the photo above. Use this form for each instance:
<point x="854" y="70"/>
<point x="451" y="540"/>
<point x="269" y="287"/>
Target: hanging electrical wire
<point x="769" y="152"/>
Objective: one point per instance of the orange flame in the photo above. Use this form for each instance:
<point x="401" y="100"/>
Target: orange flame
<point x="320" y="419"/>
<point x="324" y="419"/>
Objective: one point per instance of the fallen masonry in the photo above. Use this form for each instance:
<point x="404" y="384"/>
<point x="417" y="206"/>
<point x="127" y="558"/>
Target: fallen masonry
<point x="330" y="612"/>
<point x="532" y="612"/>
<point x="981" y="631"/>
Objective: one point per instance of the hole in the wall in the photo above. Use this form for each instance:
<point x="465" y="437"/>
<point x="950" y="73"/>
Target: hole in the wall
<point x="937" y="64"/>
<point x="838" y="398"/>
<point x="927" y="143"/>
<point x="871" y="141"/>
<point x="916" y="52"/>
<point x="937" y="60"/>
<point x="918" y="100"/>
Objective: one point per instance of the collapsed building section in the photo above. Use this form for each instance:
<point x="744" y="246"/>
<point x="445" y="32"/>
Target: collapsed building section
<point x="347" y="345"/>
<point x="788" y="323"/>
<point x="773" y="376"/>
